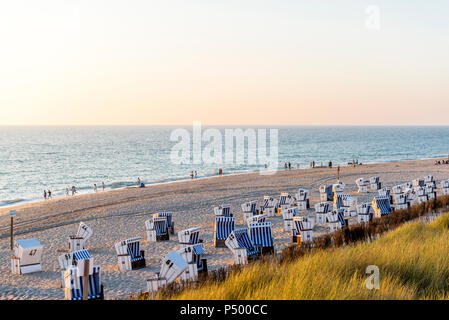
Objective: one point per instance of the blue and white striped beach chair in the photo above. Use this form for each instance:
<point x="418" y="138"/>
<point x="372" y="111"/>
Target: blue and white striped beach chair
<point x="129" y="254"/>
<point x="222" y="229"/>
<point x="445" y="187"/>
<point x="302" y="230"/>
<point x="189" y="237"/>
<point x="223" y="211"/>
<point x="285" y="202"/>
<point x="321" y="210"/>
<point x="249" y="209"/>
<point x="269" y="206"/>
<point x="364" y="213"/>
<point x="173" y="265"/>
<point x="381" y="206"/>
<point x="261" y="235"/>
<point x="74" y="284"/>
<point x="347" y="203"/>
<point x="302" y="202"/>
<point x="255" y="219"/>
<point x="170" y="221"/>
<point x="337" y="220"/>
<point x="157" y="229"/>
<point x="196" y="264"/>
<point x="241" y="246"/>
<point x="326" y="193"/>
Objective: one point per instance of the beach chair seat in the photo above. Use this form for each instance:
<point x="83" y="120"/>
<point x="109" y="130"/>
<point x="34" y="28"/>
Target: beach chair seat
<point x="129" y="254"/>
<point x="302" y="202"/>
<point x="77" y="241"/>
<point x="26" y="257"/>
<point x="222" y="229"/>
<point x="303" y="230"/>
<point x="223" y="211"/>
<point x="74" y="284"/>
<point x="173" y="265"/>
<point x="157" y="229"/>
<point x="255" y="219"/>
<point x="170" y="221"/>
<point x="326" y="193"/>
<point x="287" y="216"/>
<point x="337" y="220"/>
<point x="189" y="236"/>
<point x="381" y="206"/>
<point x="362" y="184"/>
<point x="241" y="246"/>
<point x="261" y="235"/>
<point x="347" y="203"/>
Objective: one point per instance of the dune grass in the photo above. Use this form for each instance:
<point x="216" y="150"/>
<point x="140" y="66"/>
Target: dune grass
<point x="413" y="261"/>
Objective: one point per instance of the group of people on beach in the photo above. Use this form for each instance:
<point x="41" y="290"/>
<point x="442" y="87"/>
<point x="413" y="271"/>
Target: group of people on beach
<point x="47" y="194"/>
<point x="441" y="162"/>
<point x="193" y="174"/>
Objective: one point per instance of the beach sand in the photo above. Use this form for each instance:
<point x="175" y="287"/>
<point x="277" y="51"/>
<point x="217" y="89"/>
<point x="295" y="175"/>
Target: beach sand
<point x="120" y="214"/>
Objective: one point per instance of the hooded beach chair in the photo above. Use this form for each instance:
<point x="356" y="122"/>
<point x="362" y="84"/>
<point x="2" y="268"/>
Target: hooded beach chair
<point x="78" y="241"/>
<point x="430" y="191"/>
<point x="173" y="265"/>
<point x="196" y="265"/>
<point x="375" y="184"/>
<point x="321" y="210"/>
<point x="347" y="203"/>
<point x="157" y="229"/>
<point x="73" y="267"/>
<point x="287" y="216"/>
<point x="326" y="193"/>
<point x="249" y="209"/>
<point x="445" y="187"/>
<point x="302" y="202"/>
<point x="303" y="230"/>
<point x="418" y="183"/>
<point x="223" y="211"/>
<point x="381" y="206"/>
<point x="222" y="229"/>
<point x="189" y="236"/>
<point x="241" y="246"/>
<point x="255" y="219"/>
<point x="269" y="206"/>
<point x="170" y="221"/>
<point x="364" y="213"/>
<point x="261" y="235"/>
<point x="337" y="220"/>
<point x="429" y="180"/>
<point x="400" y="201"/>
<point x="362" y="183"/>
<point x="27" y="256"/>
<point x="338" y="188"/>
<point x="285" y="202"/>
<point x="129" y="254"/>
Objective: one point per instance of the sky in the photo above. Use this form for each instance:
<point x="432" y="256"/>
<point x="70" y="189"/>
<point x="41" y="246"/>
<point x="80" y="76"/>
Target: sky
<point x="228" y="62"/>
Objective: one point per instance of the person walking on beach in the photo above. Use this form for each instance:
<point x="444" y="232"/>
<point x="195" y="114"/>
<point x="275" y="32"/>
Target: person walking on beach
<point x="196" y="174"/>
<point x="289" y="166"/>
<point x="138" y="182"/>
<point x="49" y="194"/>
<point x="95" y="187"/>
<point x="338" y="173"/>
<point x="45" y="194"/>
<point x="102" y="184"/>
<point x="66" y="192"/>
<point x="73" y="190"/>
<point x="191" y="175"/>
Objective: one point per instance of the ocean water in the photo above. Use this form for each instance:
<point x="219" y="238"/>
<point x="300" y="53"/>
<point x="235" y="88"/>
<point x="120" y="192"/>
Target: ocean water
<point x="36" y="158"/>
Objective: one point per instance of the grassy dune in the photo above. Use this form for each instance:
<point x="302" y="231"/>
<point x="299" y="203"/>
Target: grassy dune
<point x="413" y="262"/>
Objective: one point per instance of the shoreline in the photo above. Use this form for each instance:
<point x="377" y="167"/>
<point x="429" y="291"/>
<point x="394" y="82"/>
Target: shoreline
<point x="19" y="204"/>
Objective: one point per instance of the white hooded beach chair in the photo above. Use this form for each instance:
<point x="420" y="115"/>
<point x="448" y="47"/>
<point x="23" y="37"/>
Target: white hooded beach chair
<point x="303" y="230"/>
<point x="189" y="237"/>
<point x="129" y="254"/>
<point x="285" y="202"/>
<point x="170" y="221"/>
<point x="429" y="180"/>
<point x="321" y="210"/>
<point x="287" y="216"/>
<point x="338" y="188"/>
<point x="222" y="229"/>
<point x="157" y="229"/>
<point x="261" y="235"/>
<point x="223" y="211"/>
<point x="418" y="183"/>
<point x="196" y="265"/>
<point x="430" y="191"/>
<point x="302" y="202"/>
<point x="241" y="246"/>
<point x="269" y="206"/>
<point x="249" y="209"/>
<point x="381" y="206"/>
<point x="445" y="187"/>
<point x="173" y="265"/>
<point x="400" y="201"/>
<point x="78" y="241"/>
<point x="375" y="183"/>
<point x="326" y="193"/>
<point x="364" y="213"/>
<point x="337" y="220"/>
<point x="363" y="184"/>
<point x="27" y="256"/>
<point x="256" y="219"/>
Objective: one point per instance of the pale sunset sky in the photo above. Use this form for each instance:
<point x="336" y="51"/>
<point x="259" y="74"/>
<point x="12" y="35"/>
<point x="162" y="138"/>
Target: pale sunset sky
<point x="228" y="62"/>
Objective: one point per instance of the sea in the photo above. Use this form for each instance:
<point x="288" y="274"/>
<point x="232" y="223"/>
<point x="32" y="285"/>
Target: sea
<point x="34" y="159"/>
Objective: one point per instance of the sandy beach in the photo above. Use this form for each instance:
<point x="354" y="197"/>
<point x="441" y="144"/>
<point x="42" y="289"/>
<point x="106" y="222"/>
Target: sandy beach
<point x="120" y="214"/>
